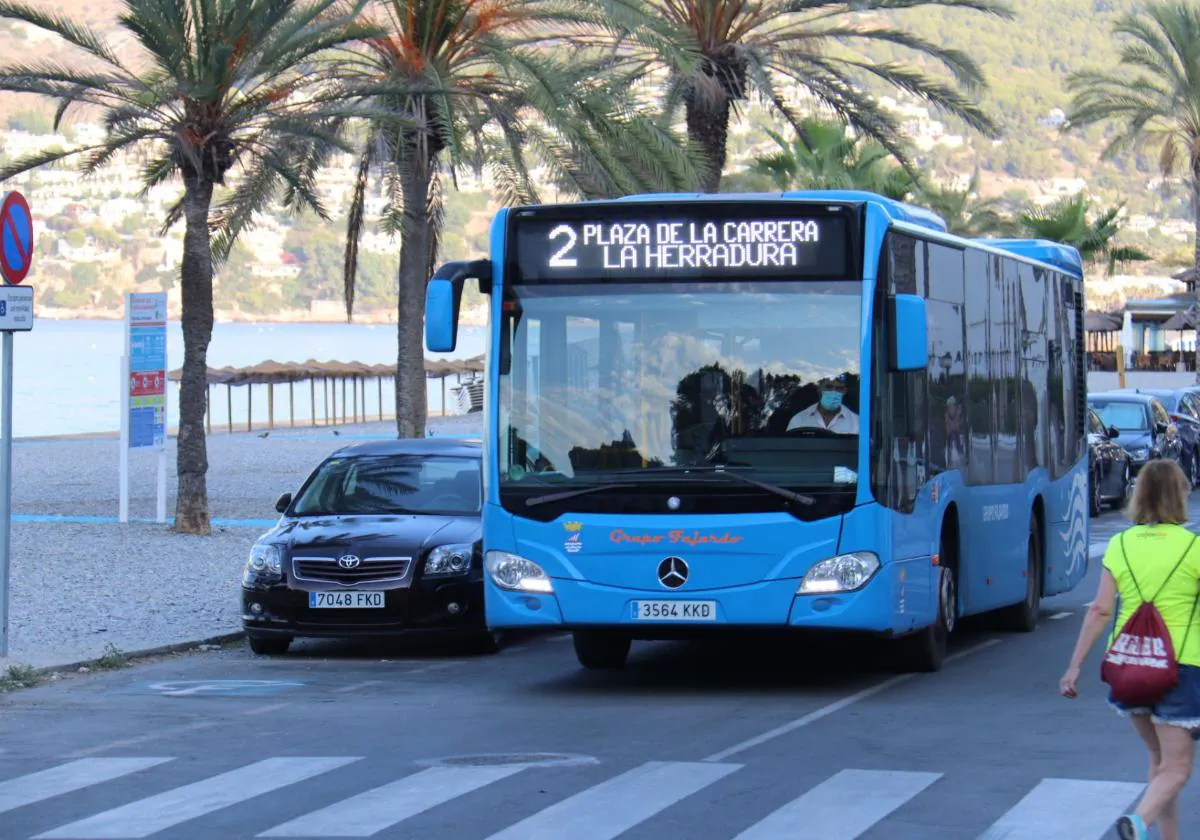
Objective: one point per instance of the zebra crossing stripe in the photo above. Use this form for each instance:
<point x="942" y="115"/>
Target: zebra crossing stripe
<point x="1074" y="808"/>
<point x="842" y="807"/>
<point x="374" y="810"/>
<point x="65" y="778"/>
<point x="156" y="813"/>
<point x="611" y="808"/>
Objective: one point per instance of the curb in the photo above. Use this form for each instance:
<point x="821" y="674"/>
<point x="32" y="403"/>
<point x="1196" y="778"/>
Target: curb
<point x="143" y="653"/>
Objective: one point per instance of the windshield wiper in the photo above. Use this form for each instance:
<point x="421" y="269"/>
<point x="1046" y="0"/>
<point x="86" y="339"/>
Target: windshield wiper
<point x="570" y="494"/>
<point x="802" y="498"/>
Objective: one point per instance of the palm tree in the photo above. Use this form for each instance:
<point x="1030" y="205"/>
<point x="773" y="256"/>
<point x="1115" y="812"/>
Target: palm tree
<point x="213" y="85"/>
<point x="832" y="160"/>
<point x="482" y="86"/>
<point x="716" y="52"/>
<point x="966" y="213"/>
<point x="1066" y="221"/>
<point x="1153" y="96"/>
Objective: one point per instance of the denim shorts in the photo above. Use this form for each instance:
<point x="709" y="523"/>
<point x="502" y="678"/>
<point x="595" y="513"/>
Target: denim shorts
<point x="1180" y="706"/>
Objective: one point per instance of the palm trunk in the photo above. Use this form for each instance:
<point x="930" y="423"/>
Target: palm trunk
<point x="196" y="276"/>
<point x="708" y="127"/>
<point x="412" y="400"/>
<point x="1196" y="262"/>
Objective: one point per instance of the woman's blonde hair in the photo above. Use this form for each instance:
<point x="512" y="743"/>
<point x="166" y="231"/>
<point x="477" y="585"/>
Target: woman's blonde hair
<point x="1160" y="495"/>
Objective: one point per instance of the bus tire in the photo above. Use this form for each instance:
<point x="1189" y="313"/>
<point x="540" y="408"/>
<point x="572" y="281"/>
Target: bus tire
<point x="601" y="651"/>
<point x="1023" y="617"/>
<point x="925" y="650"/>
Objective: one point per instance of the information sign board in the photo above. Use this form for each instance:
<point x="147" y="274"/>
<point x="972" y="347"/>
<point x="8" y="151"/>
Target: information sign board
<point x="146" y="349"/>
<point x="16" y="308"/>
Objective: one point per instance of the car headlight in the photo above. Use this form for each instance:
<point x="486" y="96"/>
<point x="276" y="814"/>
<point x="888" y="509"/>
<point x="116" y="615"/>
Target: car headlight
<point x="265" y="565"/>
<point x="510" y="571"/>
<point x="1141" y="453"/>
<point x="448" y="560"/>
<point x="843" y="573"/>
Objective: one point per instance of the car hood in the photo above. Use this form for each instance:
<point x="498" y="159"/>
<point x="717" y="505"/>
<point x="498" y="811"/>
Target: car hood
<point x="369" y="534"/>
<point x="1133" y="440"/>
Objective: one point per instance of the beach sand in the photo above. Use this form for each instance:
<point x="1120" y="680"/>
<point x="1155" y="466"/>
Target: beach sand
<point x="81" y="582"/>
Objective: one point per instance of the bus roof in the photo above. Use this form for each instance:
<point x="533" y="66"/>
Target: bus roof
<point x="1053" y="254"/>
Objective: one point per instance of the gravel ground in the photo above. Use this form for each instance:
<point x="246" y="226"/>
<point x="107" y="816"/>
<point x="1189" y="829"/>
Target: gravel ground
<point x="78" y="588"/>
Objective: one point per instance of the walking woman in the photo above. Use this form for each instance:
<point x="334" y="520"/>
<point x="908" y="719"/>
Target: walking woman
<point x="1157" y="558"/>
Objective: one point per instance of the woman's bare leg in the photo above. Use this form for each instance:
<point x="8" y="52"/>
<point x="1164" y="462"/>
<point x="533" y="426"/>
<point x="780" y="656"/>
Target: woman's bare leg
<point x="1176" y="753"/>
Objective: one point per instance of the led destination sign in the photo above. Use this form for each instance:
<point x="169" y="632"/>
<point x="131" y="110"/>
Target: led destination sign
<point x="708" y="242"/>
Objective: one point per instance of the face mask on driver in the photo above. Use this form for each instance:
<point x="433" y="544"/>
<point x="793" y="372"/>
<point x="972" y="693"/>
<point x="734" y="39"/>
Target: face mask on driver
<point x="831" y="400"/>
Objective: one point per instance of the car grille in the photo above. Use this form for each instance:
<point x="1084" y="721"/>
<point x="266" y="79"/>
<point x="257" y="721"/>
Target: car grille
<point x="369" y="570"/>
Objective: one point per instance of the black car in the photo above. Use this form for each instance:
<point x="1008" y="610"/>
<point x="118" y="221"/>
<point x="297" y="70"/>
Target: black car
<point x="1110" y="473"/>
<point x="382" y="538"/>
<point x="1183" y="407"/>
<point x="1144" y="428"/>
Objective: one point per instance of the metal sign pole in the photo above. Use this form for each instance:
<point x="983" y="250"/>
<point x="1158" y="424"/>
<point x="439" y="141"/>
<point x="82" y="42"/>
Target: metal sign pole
<point x="6" y="390"/>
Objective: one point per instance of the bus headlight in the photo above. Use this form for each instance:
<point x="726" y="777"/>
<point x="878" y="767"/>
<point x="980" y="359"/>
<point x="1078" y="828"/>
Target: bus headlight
<point x="843" y="573"/>
<point x="515" y="573"/>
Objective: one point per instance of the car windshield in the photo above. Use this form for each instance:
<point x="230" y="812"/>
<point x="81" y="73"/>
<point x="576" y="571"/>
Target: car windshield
<point x="601" y="381"/>
<point x="392" y="484"/>
<point x="1123" y="415"/>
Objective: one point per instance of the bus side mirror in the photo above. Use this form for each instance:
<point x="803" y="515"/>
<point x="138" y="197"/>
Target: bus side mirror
<point x="443" y="295"/>
<point x="910" y="333"/>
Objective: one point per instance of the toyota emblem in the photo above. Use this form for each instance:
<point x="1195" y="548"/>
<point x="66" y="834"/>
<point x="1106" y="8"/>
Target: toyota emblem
<point x="348" y="561"/>
<point x="673" y="572"/>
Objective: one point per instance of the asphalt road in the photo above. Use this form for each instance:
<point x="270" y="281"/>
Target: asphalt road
<point x="707" y="742"/>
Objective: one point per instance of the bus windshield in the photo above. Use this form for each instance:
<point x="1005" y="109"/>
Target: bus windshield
<point x="613" y="382"/>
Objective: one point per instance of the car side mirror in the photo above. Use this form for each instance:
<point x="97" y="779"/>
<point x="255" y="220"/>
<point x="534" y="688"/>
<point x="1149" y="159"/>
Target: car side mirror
<point x="1113" y="432"/>
<point x="1160" y="427"/>
<point x="282" y="503"/>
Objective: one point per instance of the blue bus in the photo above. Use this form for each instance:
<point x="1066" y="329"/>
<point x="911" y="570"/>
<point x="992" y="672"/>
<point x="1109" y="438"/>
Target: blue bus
<point x="803" y="411"/>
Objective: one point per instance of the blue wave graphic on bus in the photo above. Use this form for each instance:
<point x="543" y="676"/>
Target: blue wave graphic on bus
<point x="1074" y="530"/>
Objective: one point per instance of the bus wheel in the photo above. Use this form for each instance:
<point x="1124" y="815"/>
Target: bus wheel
<point x="925" y="650"/>
<point x="1023" y="617"/>
<point x="601" y="650"/>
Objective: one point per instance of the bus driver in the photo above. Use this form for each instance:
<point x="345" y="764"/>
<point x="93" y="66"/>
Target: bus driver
<point x="828" y="412"/>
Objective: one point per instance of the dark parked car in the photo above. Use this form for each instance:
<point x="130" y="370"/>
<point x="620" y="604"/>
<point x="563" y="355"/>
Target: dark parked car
<point x="1144" y="428"/>
<point x="1183" y="406"/>
<point x="382" y="538"/>
<point x="1110" y="472"/>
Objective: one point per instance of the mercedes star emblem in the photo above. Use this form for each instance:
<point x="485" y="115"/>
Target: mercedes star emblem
<point x="673" y="572"/>
<point x="348" y="561"/>
<point x="673" y="503"/>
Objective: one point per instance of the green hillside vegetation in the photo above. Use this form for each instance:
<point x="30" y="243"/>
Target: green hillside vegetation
<point x="1025" y="61"/>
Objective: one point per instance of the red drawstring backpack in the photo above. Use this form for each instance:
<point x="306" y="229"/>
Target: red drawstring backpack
<point x="1140" y="666"/>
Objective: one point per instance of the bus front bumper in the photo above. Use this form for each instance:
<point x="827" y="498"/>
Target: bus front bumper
<point x="899" y="598"/>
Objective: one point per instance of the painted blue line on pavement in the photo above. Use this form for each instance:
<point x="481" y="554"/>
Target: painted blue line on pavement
<point x="68" y="519"/>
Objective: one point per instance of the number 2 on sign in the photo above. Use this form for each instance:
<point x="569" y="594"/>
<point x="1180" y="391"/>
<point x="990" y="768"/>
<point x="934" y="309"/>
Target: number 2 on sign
<point x="560" y="258"/>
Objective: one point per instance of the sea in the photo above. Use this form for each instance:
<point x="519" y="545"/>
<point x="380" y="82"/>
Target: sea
<point x="67" y="374"/>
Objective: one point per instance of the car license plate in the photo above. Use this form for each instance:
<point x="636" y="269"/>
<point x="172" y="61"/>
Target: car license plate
<point x="344" y="600"/>
<point x="674" y="610"/>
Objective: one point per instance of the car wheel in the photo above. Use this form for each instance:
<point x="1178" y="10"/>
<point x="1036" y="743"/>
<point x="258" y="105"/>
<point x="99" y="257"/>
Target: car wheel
<point x="487" y="642"/>
<point x="601" y="651"/>
<point x="269" y="645"/>
<point x="1096" y="504"/>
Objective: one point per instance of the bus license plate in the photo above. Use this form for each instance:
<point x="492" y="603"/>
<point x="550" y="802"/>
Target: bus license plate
<point x="344" y="600"/>
<point x="674" y="610"/>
